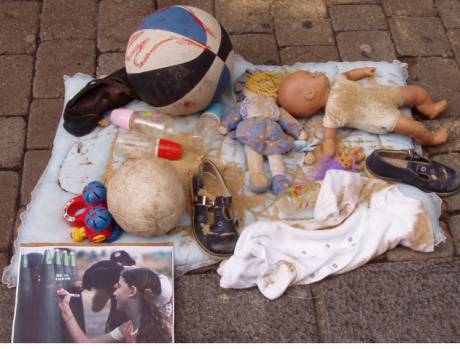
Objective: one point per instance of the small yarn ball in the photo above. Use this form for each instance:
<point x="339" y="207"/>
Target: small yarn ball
<point x="146" y="197"/>
<point x="95" y="193"/>
<point x="98" y="219"/>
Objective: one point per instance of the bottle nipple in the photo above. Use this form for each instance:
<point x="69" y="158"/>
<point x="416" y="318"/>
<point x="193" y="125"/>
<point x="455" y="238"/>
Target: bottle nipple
<point x="121" y="117"/>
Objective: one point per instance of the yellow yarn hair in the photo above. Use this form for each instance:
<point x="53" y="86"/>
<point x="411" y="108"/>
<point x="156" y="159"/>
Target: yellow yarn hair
<point x="265" y="83"/>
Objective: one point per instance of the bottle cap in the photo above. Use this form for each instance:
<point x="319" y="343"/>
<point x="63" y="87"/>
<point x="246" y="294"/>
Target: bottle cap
<point x="214" y="110"/>
<point x="121" y="117"/>
<point x="167" y="149"/>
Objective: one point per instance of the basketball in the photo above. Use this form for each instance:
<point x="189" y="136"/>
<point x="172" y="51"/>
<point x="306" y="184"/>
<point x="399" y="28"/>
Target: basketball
<point x="179" y="60"/>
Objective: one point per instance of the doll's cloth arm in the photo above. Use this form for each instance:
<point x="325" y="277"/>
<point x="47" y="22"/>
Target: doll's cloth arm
<point x="289" y="124"/>
<point x="231" y="119"/>
<point x="359" y="73"/>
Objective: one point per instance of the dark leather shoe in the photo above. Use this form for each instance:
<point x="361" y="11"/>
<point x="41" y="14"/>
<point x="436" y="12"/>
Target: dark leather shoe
<point x="408" y="167"/>
<point x="212" y="217"/>
<point x="83" y="112"/>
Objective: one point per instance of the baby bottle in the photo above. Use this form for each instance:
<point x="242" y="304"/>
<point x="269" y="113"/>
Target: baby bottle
<point x="133" y="146"/>
<point x="150" y="124"/>
<point x="205" y="131"/>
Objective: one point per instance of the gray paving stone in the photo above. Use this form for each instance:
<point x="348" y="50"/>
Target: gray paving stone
<point x="17" y="223"/>
<point x="244" y="16"/>
<point x="440" y="77"/>
<point x="9" y="185"/>
<point x="454" y="225"/>
<point x="304" y="32"/>
<point x="7" y="297"/>
<point x="299" y="9"/>
<point x="35" y="162"/>
<point x="293" y="54"/>
<point x="12" y="136"/>
<point x="413" y="8"/>
<point x="419" y="36"/>
<point x="6" y="304"/>
<point x="454" y="38"/>
<point x="206" y="5"/>
<point x="16" y="73"/>
<point x="221" y="315"/>
<point x="453" y="142"/>
<point x="117" y="19"/>
<point x="4" y="260"/>
<point x="57" y="58"/>
<point x="452" y="160"/>
<point x="450" y="12"/>
<point x="62" y="19"/>
<point x="109" y="62"/>
<point x="351" y="2"/>
<point x="19" y="27"/>
<point x="357" y="17"/>
<point x="350" y="45"/>
<point x="443" y="250"/>
<point x="392" y="302"/>
<point x="256" y="48"/>
<point x="43" y="121"/>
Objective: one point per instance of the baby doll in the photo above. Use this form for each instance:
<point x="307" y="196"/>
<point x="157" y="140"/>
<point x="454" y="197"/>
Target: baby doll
<point x="348" y="103"/>
<point x="261" y="125"/>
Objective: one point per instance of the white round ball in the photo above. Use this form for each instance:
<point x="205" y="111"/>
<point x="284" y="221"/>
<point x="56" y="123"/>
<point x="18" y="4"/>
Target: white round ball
<point x="146" y="197"/>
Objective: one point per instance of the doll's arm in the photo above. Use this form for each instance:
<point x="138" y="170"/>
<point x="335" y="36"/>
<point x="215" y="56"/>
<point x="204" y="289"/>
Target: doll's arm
<point x="359" y="73"/>
<point x="329" y="136"/>
<point x="291" y="125"/>
<point x="230" y="121"/>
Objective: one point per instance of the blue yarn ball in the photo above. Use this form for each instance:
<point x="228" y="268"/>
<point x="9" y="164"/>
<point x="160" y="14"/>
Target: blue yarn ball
<point x="98" y="219"/>
<point x="95" y="193"/>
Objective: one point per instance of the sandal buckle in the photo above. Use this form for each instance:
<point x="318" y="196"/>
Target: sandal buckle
<point x="207" y="202"/>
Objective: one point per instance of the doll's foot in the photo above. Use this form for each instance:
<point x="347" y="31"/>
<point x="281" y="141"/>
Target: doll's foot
<point x="440" y="136"/>
<point x="280" y="183"/>
<point x="258" y="182"/>
<point x="438" y="108"/>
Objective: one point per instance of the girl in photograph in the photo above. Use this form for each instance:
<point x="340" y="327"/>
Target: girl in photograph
<point x="137" y="295"/>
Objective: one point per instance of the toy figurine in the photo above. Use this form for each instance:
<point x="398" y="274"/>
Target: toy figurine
<point x="261" y="125"/>
<point x="88" y="216"/>
<point x="348" y="103"/>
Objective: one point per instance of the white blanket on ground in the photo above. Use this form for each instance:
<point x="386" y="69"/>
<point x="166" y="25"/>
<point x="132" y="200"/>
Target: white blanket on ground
<point x="355" y="220"/>
<point x="42" y="221"/>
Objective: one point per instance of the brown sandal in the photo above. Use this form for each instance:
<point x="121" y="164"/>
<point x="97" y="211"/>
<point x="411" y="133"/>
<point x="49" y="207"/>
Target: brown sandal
<point x="83" y="112"/>
<point x="213" y="224"/>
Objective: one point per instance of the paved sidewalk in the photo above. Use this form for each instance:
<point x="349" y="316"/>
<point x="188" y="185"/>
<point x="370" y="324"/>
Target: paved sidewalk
<point x="403" y="296"/>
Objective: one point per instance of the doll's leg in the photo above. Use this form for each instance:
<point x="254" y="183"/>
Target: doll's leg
<point x="419" y="132"/>
<point x="258" y="181"/>
<point x="419" y="97"/>
<point x="280" y="182"/>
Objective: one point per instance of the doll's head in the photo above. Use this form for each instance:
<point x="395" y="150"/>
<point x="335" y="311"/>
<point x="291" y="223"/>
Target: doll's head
<point x="304" y="93"/>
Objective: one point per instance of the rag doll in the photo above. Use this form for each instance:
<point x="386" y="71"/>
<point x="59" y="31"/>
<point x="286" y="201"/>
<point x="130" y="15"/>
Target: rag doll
<point x="348" y="103"/>
<point x="265" y="130"/>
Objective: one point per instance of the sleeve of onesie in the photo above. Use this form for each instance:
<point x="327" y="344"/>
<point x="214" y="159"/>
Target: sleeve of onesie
<point x="330" y="120"/>
<point x="333" y="117"/>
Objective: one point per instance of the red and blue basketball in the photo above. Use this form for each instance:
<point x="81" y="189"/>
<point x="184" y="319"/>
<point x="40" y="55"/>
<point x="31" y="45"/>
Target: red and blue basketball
<point x="95" y="193"/>
<point x="179" y="60"/>
<point x="98" y="219"/>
